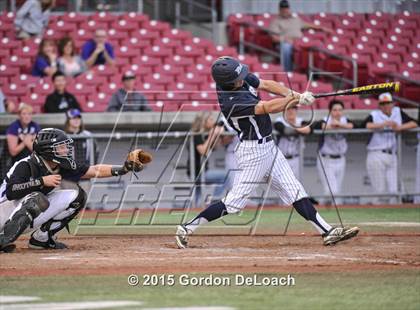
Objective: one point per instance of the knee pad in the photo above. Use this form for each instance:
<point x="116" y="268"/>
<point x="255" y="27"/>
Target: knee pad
<point x="32" y="206"/>
<point x="80" y="200"/>
<point x="35" y="203"/>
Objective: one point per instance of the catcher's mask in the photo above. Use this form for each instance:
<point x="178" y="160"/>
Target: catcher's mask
<point x="226" y="71"/>
<point x="55" y="145"/>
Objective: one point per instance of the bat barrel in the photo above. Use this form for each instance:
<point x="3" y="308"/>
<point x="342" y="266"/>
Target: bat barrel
<point x="368" y="89"/>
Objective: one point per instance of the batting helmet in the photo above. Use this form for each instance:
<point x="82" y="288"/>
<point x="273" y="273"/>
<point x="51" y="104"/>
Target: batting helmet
<point x="49" y="143"/>
<point x="227" y="70"/>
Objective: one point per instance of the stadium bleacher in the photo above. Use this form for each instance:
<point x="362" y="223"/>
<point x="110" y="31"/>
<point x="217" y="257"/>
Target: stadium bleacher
<point x="381" y="43"/>
<point x="167" y="59"/>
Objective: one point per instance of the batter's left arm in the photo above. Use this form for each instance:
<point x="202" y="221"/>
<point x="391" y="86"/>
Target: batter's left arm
<point x="274" y="88"/>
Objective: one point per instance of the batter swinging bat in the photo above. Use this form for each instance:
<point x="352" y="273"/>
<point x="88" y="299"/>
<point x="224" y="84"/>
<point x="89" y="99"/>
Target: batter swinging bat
<point x="368" y="89"/>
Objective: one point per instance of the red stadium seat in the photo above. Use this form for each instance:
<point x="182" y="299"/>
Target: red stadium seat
<point x="200" y="43"/>
<point x="123" y="25"/>
<point x="109" y="88"/>
<point x="34" y="99"/>
<point x="103" y="18"/>
<point x="147" y="61"/>
<point x="73" y="17"/>
<point x="81" y="89"/>
<point x="146" y="34"/>
<point x="178" y="61"/>
<point x="13" y="89"/>
<point x="191" y="78"/>
<point x="190" y="51"/>
<point x="8" y="71"/>
<point x="183" y="87"/>
<point x="63" y="26"/>
<point x="26" y="80"/>
<point x="177" y="35"/>
<point x="91" y="78"/>
<point x="157" y="51"/>
<point x="126" y="52"/>
<point x="169" y="70"/>
<point x="139" y="18"/>
<point x="158" y="26"/>
<point x="158" y="78"/>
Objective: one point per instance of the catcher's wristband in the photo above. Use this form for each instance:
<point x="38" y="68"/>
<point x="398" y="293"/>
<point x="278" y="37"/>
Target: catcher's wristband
<point x="118" y="170"/>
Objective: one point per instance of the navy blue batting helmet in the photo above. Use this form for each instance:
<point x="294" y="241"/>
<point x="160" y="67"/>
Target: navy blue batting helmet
<point x="227" y="70"/>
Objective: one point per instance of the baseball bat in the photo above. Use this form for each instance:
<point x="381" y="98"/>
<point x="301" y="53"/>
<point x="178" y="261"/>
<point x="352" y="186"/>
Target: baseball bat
<point x="368" y="89"/>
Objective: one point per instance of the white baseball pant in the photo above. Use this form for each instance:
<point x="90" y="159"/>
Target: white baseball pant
<point x="260" y="164"/>
<point x="382" y="171"/>
<point x="59" y="199"/>
<point x="335" y="169"/>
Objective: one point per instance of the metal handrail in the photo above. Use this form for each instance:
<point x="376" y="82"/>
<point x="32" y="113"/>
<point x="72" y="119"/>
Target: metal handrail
<point x="353" y="61"/>
<point x="243" y="43"/>
<point x="179" y="18"/>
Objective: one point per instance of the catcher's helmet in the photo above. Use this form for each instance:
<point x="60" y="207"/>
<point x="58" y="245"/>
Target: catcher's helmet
<point x="227" y="70"/>
<point x="55" y="145"/>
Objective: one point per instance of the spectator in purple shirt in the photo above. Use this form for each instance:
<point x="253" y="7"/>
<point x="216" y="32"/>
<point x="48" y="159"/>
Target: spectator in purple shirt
<point x="97" y="51"/>
<point x="21" y="134"/>
<point x="46" y="60"/>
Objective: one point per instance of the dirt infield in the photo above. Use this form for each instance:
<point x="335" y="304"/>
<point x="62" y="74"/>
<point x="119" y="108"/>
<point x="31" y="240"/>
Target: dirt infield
<point x="223" y="254"/>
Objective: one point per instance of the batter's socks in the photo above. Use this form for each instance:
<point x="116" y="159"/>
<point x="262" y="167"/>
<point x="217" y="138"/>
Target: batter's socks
<point x="306" y="209"/>
<point x="213" y="212"/>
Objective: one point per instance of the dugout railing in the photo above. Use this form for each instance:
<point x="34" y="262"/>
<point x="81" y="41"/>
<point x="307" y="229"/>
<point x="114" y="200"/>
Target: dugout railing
<point x="172" y="150"/>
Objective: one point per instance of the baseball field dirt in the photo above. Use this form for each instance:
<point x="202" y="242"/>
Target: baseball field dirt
<point x="383" y="261"/>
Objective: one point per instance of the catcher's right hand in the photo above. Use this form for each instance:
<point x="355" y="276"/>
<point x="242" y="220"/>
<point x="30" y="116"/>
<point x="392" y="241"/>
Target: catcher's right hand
<point x="136" y="160"/>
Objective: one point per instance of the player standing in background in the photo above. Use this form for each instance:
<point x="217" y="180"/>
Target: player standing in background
<point x="258" y="157"/>
<point x="40" y="192"/>
<point x="332" y="150"/>
<point x="381" y="162"/>
<point x="288" y="138"/>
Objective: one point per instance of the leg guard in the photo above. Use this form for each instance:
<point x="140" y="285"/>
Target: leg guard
<point x="57" y="223"/>
<point x="31" y="206"/>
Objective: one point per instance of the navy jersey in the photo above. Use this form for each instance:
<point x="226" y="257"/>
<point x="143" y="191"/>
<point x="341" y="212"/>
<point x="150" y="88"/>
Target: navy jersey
<point x="238" y="107"/>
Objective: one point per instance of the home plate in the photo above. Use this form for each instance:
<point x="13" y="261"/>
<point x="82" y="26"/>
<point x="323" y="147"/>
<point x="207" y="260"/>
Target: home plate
<point x="10" y="299"/>
<point x="74" y="305"/>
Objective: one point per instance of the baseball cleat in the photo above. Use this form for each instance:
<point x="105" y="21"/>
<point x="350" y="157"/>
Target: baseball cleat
<point x="181" y="237"/>
<point x="51" y="243"/>
<point x="8" y="248"/>
<point x="338" y="234"/>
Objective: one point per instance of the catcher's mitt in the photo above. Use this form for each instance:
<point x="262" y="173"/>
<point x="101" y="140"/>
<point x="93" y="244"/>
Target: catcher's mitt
<point x="137" y="159"/>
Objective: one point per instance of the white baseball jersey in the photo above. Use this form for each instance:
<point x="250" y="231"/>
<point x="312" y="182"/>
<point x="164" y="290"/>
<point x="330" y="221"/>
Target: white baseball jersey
<point x="334" y="144"/>
<point x="289" y="142"/>
<point x="384" y="140"/>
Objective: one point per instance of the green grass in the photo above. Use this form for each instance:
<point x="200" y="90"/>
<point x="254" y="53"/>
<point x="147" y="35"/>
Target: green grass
<point x="357" y="290"/>
<point x="267" y="221"/>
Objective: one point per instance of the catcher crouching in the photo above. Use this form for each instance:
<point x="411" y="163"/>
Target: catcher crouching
<point x="40" y="192"/>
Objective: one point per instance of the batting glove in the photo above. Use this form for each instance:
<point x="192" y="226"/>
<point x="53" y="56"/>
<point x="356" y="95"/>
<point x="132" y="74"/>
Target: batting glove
<point x="306" y="98"/>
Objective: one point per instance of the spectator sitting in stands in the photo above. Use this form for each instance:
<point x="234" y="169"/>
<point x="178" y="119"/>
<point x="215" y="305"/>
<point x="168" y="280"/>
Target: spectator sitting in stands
<point x="6" y="106"/>
<point x="288" y="29"/>
<point x="32" y="18"/>
<point x="46" y="60"/>
<point x="21" y="134"/>
<point x="69" y="63"/>
<point x="60" y="100"/>
<point x="84" y="148"/>
<point x="126" y="98"/>
<point x="97" y="51"/>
